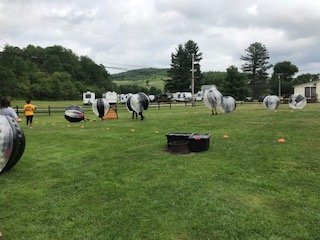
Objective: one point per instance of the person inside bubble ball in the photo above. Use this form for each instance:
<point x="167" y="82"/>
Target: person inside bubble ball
<point x="4" y="145"/>
<point x="7" y="110"/>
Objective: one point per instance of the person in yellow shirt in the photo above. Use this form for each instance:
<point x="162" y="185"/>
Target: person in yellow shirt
<point x="29" y="110"/>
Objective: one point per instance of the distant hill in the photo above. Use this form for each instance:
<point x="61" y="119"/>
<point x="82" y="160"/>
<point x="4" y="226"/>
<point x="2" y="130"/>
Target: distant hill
<point x="148" y="77"/>
<point x="138" y="74"/>
<point x="144" y="77"/>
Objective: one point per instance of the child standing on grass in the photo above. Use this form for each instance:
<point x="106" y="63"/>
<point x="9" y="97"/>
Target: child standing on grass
<point x="29" y="110"/>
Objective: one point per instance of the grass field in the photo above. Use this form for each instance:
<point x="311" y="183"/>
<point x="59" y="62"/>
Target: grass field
<point x="114" y="179"/>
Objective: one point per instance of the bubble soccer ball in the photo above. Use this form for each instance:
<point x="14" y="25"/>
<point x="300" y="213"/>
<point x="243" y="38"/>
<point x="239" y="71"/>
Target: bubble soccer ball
<point x="74" y="114"/>
<point x="144" y="100"/>
<point x="271" y="102"/>
<point x="12" y="143"/>
<point x="229" y="104"/>
<point x="297" y="101"/>
<point x="100" y="107"/>
<point x="136" y="103"/>
<point x="212" y="98"/>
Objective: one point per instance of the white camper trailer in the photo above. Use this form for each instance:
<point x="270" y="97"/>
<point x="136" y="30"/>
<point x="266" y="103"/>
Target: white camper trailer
<point x="187" y="96"/>
<point x="182" y="96"/>
<point x="152" y="98"/>
<point x="175" y="96"/>
<point x="199" y="96"/>
<point x="88" y="98"/>
<point x="111" y="97"/>
<point x="124" y="97"/>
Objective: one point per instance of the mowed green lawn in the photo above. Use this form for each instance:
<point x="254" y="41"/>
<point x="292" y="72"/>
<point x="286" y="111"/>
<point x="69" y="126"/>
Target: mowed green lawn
<point x="115" y="179"/>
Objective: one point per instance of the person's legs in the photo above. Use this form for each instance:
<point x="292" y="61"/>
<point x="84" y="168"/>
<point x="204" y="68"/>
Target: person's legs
<point x="30" y="121"/>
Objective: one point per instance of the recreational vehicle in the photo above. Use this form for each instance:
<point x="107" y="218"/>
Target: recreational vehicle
<point x="124" y="97"/>
<point x="152" y="98"/>
<point x="182" y="96"/>
<point x="111" y="97"/>
<point x="88" y="98"/>
<point x="199" y="96"/>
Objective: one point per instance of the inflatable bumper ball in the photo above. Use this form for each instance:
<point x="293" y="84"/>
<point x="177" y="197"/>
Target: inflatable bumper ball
<point x="137" y="103"/>
<point x="74" y="114"/>
<point x="144" y="100"/>
<point x="229" y="104"/>
<point x="12" y="143"/>
<point x="128" y="104"/>
<point x="100" y="107"/>
<point x="213" y="99"/>
<point x="271" y="102"/>
<point x="297" y="101"/>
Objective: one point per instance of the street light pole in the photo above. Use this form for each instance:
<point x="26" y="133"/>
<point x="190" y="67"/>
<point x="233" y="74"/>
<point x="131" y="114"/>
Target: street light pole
<point x="310" y="89"/>
<point x="192" y="80"/>
<point x="279" y="78"/>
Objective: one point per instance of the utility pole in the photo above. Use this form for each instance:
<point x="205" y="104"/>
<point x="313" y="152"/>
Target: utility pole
<point x="192" y="80"/>
<point x="279" y="78"/>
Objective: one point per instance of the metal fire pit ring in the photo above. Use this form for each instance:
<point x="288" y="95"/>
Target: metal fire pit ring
<point x="179" y="147"/>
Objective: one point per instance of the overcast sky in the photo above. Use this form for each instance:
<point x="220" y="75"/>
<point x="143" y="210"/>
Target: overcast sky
<point x="131" y="34"/>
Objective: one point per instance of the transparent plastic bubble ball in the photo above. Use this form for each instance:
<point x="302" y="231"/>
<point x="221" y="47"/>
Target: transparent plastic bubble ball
<point x="297" y="101"/>
<point x="74" y="114"/>
<point x="100" y="107"/>
<point x="271" y="102"/>
<point x="138" y="102"/>
<point x="12" y="143"/>
<point x="229" y="104"/>
<point x="212" y="98"/>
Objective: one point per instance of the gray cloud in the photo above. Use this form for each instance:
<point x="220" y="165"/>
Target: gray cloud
<point x="136" y="33"/>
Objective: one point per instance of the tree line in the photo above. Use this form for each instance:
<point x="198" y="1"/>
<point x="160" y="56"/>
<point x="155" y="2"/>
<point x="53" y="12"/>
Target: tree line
<point x="253" y="81"/>
<point x="50" y="73"/>
<point x="56" y="73"/>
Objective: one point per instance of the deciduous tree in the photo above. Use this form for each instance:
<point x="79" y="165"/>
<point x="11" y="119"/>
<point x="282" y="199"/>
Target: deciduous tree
<point x="306" y="77"/>
<point x="35" y="71"/>
<point x="283" y="73"/>
<point x="236" y="84"/>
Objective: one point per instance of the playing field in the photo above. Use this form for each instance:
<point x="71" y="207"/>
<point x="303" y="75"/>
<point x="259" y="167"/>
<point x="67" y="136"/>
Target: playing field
<point x="115" y="179"/>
